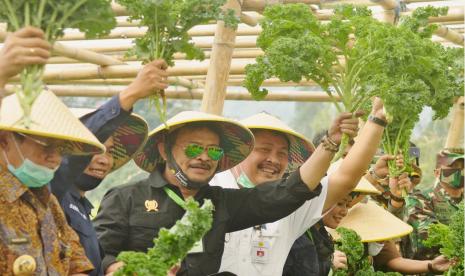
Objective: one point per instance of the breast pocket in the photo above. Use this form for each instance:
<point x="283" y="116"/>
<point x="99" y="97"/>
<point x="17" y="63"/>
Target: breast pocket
<point x="144" y="228"/>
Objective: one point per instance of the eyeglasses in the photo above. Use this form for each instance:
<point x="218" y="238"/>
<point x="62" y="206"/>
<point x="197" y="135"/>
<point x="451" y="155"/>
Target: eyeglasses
<point x="48" y="146"/>
<point x="193" y="150"/>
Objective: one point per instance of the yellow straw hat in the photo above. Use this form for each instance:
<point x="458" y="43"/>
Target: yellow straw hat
<point x="236" y="140"/>
<point x="129" y="138"/>
<point x="52" y="119"/>
<point x="363" y="186"/>
<point x="299" y="148"/>
<point x="373" y="223"/>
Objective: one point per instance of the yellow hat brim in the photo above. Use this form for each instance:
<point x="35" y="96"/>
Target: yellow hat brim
<point x="50" y="118"/>
<point x="373" y="223"/>
<point x="237" y="140"/>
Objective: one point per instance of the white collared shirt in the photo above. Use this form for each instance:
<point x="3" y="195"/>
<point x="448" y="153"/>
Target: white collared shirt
<point x="278" y="237"/>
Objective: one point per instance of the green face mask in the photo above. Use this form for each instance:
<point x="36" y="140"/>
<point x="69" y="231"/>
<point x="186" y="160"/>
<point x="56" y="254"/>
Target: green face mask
<point x="244" y="181"/>
<point x="452" y="177"/>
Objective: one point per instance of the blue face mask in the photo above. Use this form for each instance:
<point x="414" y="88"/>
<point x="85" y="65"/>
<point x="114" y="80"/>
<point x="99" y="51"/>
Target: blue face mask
<point x="29" y="173"/>
<point x="244" y="181"/>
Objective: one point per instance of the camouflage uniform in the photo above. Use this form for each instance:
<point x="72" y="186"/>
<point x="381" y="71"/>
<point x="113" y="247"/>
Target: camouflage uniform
<point x="424" y="208"/>
<point x="33" y="228"/>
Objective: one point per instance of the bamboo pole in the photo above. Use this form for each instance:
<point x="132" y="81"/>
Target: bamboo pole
<point x="77" y="54"/>
<point x="220" y="64"/>
<point x="238" y="53"/>
<point x="128" y="71"/>
<point x="135" y="32"/>
<point x="109" y="91"/>
<point x="450" y="35"/>
<point x="249" y="20"/>
<point x="455" y="136"/>
<point x="176" y="81"/>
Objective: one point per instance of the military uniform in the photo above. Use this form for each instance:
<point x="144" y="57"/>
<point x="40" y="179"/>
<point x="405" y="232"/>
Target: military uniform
<point x="34" y="235"/>
<point x="425" y="208"/>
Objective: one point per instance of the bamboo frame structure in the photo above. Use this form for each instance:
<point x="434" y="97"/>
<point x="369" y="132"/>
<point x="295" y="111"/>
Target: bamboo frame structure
<point x="118" y="69"/>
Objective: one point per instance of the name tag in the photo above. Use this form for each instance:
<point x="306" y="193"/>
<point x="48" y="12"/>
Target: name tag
<point x="260" y="251"/>
<point x="198" y="248"/>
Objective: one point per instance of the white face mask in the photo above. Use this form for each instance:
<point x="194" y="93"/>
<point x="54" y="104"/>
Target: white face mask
<point x="374" y="248"/>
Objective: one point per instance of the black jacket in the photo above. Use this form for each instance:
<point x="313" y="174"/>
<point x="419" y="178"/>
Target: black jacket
<point x="124" y="223"/>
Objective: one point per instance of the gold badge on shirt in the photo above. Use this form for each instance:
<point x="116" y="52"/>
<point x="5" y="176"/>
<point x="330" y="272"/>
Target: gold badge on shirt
<point x="24" y="265"/>
<point x="151" y="205"/>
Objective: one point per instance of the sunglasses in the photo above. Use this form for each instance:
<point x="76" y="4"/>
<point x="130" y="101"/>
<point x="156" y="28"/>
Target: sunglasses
<point x="47" y="145"/>
<point x="194" y="150"/>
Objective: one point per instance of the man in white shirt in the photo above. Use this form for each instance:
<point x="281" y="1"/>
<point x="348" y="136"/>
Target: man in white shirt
<point x="263" y="249"/>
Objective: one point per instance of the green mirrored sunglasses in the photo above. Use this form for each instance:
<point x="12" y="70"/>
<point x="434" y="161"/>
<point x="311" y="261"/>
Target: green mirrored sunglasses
<point x="194" y="150"/>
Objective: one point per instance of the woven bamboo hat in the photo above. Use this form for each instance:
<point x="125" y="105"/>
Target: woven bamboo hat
<point x="373" y="223"/>
<point x="299" y="147"/>
<point x="129" y="138"/>
<point x="236" y="140"/>
<point x="363" y="187"/>
<point x="51" y="119"/>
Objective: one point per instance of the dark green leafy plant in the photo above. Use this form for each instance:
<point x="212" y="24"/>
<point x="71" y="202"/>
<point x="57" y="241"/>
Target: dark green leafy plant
<point x="93" y="17"/>
<point x="357" y="261"/>
<point x="356" y="57"/>
<point x="450" y="240"/>
<point x="416" y="73"/>
<point x="297" y="46"/>
<point x="168" y="22"/>
<point x="171" y="246"/>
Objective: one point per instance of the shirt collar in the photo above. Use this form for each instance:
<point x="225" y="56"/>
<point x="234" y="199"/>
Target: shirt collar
<point x="74" y="192"/>
<point x="156" y="178"/>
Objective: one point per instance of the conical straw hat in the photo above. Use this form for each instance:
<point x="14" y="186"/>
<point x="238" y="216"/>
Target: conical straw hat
<point x="236" y="140"/>
<point x="299" y="149"/>
<point x="373" y="223"/>
<point x="52" y="119"/>
<point x="129" y="138"/>
<point x="363" y="186"/>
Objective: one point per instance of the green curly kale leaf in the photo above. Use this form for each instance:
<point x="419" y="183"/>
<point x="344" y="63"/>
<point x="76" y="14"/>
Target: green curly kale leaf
<point x="450" y="240"/>
<point x="357" y="262"/>
<point x="171" y="246"/>
<point x="93" y="17"/>
<point x="416" y="73"/>
<point x="168" y="22"/>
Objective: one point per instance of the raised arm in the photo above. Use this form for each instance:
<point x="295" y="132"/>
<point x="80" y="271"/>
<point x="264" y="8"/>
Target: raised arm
<point x="355" y="164"/>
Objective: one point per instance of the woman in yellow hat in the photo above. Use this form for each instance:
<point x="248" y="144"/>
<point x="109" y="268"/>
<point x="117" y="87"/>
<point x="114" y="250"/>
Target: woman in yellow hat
<point x="35" y="238"/>
<point x="377" y="227"/>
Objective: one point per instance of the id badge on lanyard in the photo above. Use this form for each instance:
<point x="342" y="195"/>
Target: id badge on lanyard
<point x="260" y="247"/>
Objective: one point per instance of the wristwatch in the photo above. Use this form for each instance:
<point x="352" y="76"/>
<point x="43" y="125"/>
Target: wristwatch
<point x="377" y="120"/>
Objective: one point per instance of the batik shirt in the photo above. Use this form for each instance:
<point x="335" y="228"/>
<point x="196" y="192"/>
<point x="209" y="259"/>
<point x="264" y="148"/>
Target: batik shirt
<point x="33" y="224"/>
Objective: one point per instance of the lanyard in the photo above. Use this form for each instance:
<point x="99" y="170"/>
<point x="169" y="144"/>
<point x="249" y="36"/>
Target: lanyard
<point x="175" y="197"/>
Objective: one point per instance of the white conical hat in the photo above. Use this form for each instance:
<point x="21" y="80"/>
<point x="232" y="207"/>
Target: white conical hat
<point x="129" y="138"/>
<point x="236" y="140"/>
<point x="52" y="119"/>
<point x="300" y="148"/>
<point x="373" y="223"/>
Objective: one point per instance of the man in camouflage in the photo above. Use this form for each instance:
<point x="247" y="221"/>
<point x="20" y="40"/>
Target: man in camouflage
<point x="436" y="204"/>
